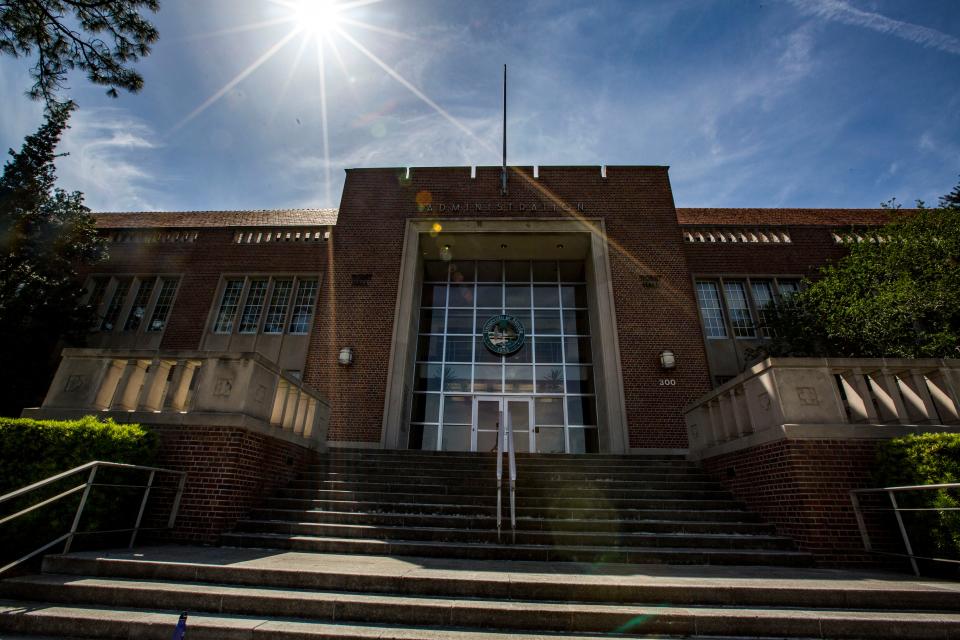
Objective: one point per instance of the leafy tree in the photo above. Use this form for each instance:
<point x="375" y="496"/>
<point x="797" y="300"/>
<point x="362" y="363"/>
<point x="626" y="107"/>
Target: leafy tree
<point x="895" y="295"/>
<point x="952" y="199"/>
<point x="99" y="37"/>
<point x="45" y="235"/>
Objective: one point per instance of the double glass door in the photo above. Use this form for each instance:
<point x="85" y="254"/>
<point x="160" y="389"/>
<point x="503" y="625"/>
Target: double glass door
<point x="488" y="411"/>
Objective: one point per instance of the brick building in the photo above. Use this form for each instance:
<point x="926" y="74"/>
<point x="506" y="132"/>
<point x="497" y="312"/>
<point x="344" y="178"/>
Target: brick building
<point x="629" y="308"/>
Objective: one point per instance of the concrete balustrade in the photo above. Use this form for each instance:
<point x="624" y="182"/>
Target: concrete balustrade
<point x="187" y="387"/>
<point x="825" y="398"/>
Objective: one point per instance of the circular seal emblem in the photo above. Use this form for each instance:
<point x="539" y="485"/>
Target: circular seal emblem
<point x="503" y="334"/>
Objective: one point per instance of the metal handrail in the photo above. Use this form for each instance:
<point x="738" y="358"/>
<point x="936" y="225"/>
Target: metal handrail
<point x="858" y="511"/>
<point x="505" y="444"/>
<point x="92" y="466"/>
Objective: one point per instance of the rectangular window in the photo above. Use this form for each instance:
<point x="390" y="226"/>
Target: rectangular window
<point x="97" y="290"/>
<point x="303" y="306"/>
<point x="139" y="308"/>
<point x="277" y="311"/>
<point x="788" y="287"/>
<point x="253" y="307"/>
<point x="116" y="304"/>
<point x="161" y="310"/>
<point x="228" y="306"/>
<point x="762" y="299"/>
<point x="740" y="317"/>
<point x="709" y="298"/>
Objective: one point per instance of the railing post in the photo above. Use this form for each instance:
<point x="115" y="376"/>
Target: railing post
<point x="500" y="443"/>
<point x="903" y="533"/>
<point x="180" y="384"/>
<point x="945" y="396"/>
<point x="861" y="523"/>
<point x="109" y="384"/>
<point x="130" y="385"/>
<point x="176" y="501"/>
<point x="917" y="397"/>
<point x="143" y="506"/>
<point x="858" y="396"/>
<point x="83" y="502"/>
<point x="154" y="386"/>
<point x="889" y="400"/>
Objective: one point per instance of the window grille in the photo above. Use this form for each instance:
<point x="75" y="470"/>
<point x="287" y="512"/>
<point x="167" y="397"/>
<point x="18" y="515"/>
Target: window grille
<point x="253" y="307"/>
<point x="709" y="298"/>
<point x="228" y="306"/>
<point x="161" y="310"/>
<point x="277" y="312"/>
<point x="303" y="306"/>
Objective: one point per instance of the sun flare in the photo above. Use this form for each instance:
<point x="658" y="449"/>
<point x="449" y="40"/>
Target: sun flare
<point x="316" y="17"/>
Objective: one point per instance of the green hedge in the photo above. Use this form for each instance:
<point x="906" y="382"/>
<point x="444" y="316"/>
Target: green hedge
<point x="930" y="458"/>
<point x="31" y="450"/>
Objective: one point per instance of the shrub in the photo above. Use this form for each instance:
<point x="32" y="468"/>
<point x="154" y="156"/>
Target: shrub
<point x="930" y="458"/>
<point x="31" y="450"/>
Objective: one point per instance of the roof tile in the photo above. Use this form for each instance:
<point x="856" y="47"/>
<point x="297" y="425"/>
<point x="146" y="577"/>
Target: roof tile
<point x="199" y="219"/>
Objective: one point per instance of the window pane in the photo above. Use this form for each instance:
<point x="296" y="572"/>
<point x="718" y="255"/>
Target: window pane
<point x="424" y="436"/>
<point x="573" y="295"/>
<point x="788" y="287"/>
<point x="518" y="379"/>
<point x="433" y="295"/>
<point x="709" y="298"/>
<point x="578" y="350"/>
<point x="576" y="323"/>
<point x="456" y="377"/>
<point x="525" y="354"/>
<point x="161" y="310"/>
<point x="426" y="407"/>
<point x="253" y="307"/>
<point x="740" y="316"/>
<point x="486" y="378"/>
<point x="435" y="271"/>
<point x="460" y="321"/>
<point x="489" y="271"/>
<point x="489" y="295"/>
<point x="546" y="295"/>
<point x="431" y="321"/>
<point x="116" y="304"/>
<point x="548" y="411"/>
<point x="518" y="295"/>
<point x="302" y="312"/>
<point x="461" y="295"/>
<point x="139" y="307"/>
<point x="548" y="350"/>
<point x="549" y="379"/>
<point x="427" y="377"/>
<point x="457" y="410"/>
<point x="546" y="321"/>
<point x="228" y="306"/>
<point x="98" y="287"/>
<point x="482" y="316"/>
<point x="462" y="271"/>
<point x="544" y="271"/>
<point x="456" y="438"/>
<point x="525" y="318"/>
<point x="550" y="440"/>
<point x="584" y="441"/>
<point x="277" y="311"/>
<point x="579" y="379"/>
<point x="460" y="348"/>
<point x="762" y="298"/>
<point x="430" y="348"/>
<point x="572" y="271"/>
<point x="517" y="271"/>
<point x="482" y="354"/>
<point x="581" y="410"/>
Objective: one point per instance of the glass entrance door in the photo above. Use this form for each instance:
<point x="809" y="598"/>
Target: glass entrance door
<point x="489" y="410"/>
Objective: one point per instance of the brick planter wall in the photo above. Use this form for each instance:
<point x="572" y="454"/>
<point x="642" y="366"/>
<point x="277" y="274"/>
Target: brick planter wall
<point x="802" y="488"/>
<point x="229" y="471"/>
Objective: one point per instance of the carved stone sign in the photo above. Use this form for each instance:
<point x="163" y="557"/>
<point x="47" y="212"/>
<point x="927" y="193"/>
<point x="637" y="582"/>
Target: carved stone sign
<point x="223" y="387"/>
<point x="808" y="396"/>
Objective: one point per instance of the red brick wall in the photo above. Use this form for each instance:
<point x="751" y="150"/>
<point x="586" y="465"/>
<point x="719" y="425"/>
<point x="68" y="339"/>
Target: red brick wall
<point x="636" y="204"/>
<point x="201" y="263"/>
<point x="229" y="470"/>
<point x="802" y="487"/>
<point x="810" y="248"/>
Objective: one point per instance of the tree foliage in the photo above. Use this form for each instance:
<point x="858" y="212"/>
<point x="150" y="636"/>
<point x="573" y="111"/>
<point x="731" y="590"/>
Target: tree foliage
<point x="102" y="38"/>
<point x="45" y="235"/>
<point x="895" y="295"/>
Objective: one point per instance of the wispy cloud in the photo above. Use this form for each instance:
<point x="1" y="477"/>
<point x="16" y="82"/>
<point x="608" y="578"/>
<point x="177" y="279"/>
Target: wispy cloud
<point x="840" y="11"/>
<point x="108" y="160"/>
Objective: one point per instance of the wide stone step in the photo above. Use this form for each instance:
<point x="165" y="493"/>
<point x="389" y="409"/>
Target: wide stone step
<point x="573" y="582"/>
<point x="527" y="524"/>
<point x="523" y="537"/>
<point x="233" y="606"/>
<point x="414" y="475"/>
<point x="490" y="469"/>
<point x="542" y="553"/>
<point x="414" y="454"/>
<point x="465" y="485"/>
<point x="679" y="499"/>
<point x="671" y="509"/>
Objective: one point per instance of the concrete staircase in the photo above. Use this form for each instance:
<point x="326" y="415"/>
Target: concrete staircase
<point x="403" y="546"/>
<point x="636" y="509"/>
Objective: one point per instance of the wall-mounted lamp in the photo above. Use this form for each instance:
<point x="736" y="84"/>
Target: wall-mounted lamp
<point x="346" y="356"/>
<point x="668" y="360"/>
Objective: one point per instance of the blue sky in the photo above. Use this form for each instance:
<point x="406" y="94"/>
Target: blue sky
<point x="771" y="103"/>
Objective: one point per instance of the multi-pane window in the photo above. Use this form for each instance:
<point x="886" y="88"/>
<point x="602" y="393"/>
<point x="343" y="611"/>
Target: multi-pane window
<point x="139" y="307"/>
<point x="98" y="287"/>
<point x="554" y="367"/>
<point x="253" y="307"/>
<point x="788" y="287"/>
<point x="302" y="311"/>
<point x="762" y="299"/>
<point x="277" y="311"/>
<point x="709" y="298"/>
<point x="267" y="305"/>
<point x="161" y="309"/>
<point x="229" y="303"/>
<point x="116" y="304"/>
<point x="740" y="318"/>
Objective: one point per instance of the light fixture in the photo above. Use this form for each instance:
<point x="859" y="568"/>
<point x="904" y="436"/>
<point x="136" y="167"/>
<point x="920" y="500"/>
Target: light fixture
<point x="346" y="356"/>
<point x="668" y="360"/>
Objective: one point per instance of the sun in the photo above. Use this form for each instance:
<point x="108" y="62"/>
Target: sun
<point x="316" y="17"/>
